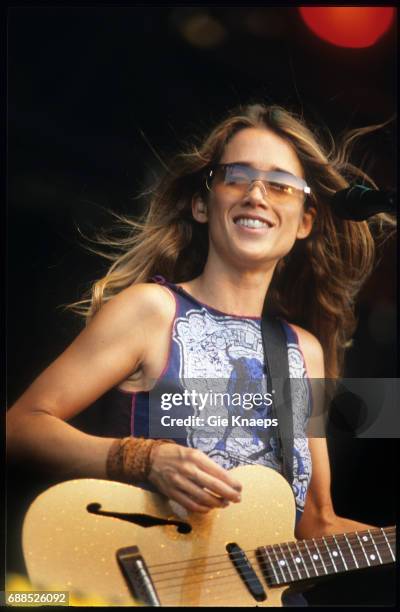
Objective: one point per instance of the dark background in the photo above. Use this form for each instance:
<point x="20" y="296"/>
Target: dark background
<point x="91" y="93"/>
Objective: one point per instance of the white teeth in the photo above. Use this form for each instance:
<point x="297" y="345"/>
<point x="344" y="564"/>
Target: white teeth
<point x="251" y="223"/>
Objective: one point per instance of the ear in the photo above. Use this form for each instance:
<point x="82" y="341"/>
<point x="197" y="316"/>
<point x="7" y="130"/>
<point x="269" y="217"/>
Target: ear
<point x="199" y="209"/>
<point x="306" y="223"/>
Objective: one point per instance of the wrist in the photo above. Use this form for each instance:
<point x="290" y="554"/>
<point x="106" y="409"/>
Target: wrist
<point x="130" y="459"/>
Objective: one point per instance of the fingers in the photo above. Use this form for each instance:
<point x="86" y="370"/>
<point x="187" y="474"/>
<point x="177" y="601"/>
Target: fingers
<point x="188" y="503"/>
<point x="217" y="487"/>
<point x="205" y="481"/>
<point x="228" y="486"/>
<point x="198" y="494"/>
<point x="191" y="478"/>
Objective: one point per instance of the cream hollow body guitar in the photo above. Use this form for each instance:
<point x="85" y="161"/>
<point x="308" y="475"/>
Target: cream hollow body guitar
<point x="126" y="545"/>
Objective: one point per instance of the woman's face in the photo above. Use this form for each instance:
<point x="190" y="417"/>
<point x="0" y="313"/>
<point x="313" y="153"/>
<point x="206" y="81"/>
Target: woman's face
<point x="225" y="210"/>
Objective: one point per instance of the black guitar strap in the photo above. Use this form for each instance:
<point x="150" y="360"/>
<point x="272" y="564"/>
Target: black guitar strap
<point x="277" y="372"/>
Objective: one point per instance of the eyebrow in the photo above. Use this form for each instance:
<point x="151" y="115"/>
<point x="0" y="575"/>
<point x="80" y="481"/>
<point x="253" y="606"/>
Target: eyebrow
<point x="273" y="169"/>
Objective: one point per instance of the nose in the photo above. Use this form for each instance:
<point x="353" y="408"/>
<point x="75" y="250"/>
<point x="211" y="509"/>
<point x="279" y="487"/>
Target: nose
<point x="257" y="193"/>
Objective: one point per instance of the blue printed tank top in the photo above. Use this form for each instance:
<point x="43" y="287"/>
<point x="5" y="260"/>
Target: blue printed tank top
<point x="209" y="344"/>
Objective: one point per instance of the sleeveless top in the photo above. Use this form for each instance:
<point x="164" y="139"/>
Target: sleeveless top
<point x="207" y="344"/>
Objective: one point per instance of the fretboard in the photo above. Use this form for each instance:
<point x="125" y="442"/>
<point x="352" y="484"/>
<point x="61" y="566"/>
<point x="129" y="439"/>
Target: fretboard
<point x="304" y="559"/>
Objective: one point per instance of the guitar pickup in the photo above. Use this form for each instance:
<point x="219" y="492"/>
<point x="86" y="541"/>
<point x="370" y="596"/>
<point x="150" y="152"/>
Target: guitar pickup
<point x="137" y="576"/>
<point x="246" y="572"/>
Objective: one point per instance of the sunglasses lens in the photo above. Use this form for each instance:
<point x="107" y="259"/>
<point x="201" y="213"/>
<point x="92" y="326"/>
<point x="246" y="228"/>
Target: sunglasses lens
<point x="237" y="174"/>
<point x="279" y="186"/>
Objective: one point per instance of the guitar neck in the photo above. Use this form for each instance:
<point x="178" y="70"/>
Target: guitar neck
<point x="294" y="561"/>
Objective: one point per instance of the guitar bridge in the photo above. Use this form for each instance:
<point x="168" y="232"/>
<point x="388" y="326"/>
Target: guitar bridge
<point x="137" y="576"/>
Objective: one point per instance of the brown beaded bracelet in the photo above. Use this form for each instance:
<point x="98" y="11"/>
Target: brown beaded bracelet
<point x="128" y="459"/>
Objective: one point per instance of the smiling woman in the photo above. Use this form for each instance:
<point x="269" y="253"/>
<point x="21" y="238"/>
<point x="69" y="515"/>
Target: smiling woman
<point x="239" y="227"/>
<point x="259" y="218"/>
<point x="326" y="271"/>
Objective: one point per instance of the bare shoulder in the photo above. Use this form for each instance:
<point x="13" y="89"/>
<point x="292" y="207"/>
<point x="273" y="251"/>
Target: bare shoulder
<point x="312" y="351"/>
<point x="307" y="339"/>
<point x="147" y="302"/>
<point x="108" y="350"/>
<point x="128" y="323"/>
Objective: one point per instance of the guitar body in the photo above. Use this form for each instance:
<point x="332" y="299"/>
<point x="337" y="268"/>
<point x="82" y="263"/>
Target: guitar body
<point x="70" y="548"/>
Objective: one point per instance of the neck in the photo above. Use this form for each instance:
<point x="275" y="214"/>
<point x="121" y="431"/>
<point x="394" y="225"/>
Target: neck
<point x="239" y="292"/>
<point x="304" y="559"/>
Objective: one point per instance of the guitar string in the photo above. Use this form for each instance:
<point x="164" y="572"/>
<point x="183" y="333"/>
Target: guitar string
<point x="294" y="544"/>
<point x="188" y="591"/>
<point x="265" y="566"/>
<point x="240" y="586"/>
<point x="253" y="556"/>
<point x="252" y="462"/>
<point x="219" y="582"/>
<point x="347" y="556"/>
<point x="217" y="597"/>
<point x="239" y="591"/>
<point x="244" y="460"/>
<point x="232" y="576"/>
<point x="267" y="574"/>
<point x="232" y="580"/>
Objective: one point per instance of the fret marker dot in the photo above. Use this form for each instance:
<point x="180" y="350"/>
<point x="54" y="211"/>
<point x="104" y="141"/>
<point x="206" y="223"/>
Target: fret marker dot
<point x="315" y="557"/>
<point x="335" y="553"/>
<point x="298" y="560"/>
<point x="372" y="557"/>
<point x="282" y="562"/>
<point x="365" y="538"/>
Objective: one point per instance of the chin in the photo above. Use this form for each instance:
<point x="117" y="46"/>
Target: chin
<point x="249" y="259"/>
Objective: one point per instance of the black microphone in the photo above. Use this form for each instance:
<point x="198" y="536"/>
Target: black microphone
<point x="357" y="203"/>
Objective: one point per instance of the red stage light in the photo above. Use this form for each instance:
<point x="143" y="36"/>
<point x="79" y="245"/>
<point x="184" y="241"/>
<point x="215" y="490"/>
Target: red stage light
<point x="347" y="26"/>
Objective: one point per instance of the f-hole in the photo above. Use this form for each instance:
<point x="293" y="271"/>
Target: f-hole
<point x="143" y="520"/>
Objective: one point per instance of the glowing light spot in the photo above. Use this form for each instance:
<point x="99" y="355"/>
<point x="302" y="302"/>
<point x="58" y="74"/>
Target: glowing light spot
<point x="349" y="26"/>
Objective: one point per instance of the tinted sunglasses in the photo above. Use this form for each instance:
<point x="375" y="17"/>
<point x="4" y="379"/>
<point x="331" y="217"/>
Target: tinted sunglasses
<point x="237" y="178"/>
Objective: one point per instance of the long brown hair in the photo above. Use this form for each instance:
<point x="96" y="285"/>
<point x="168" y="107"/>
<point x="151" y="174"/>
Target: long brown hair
<point x="315" y="285"/>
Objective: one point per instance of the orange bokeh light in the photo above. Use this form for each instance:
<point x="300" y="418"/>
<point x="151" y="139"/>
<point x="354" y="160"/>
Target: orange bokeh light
<point x="348" y="26"/>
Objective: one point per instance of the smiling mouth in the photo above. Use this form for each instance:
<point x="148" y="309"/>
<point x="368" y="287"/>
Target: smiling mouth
<point x="252" y="223"/>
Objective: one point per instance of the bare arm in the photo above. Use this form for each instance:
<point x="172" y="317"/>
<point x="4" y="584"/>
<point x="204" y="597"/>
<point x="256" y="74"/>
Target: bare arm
<point x="104" y="354"/>
<point x="319" y="517"/>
